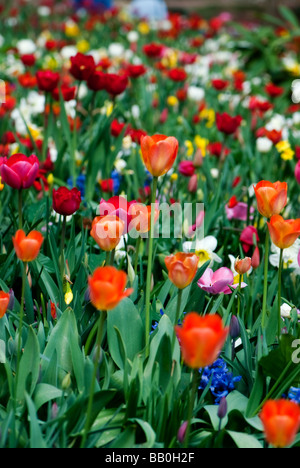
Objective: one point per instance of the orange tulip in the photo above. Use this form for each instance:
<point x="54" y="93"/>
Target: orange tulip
<point x="4" y="301"/>
<point x="283" y="232"/>
<point x="159" y="153"/>
<point x="107" y="287"/>
<point x="281" y="421"/>
<point x="27" y="247"/>
<point x="201" y="339"/>
<point x="107" y="231"/>
<point x="271" y="198"/>
<point x="141" y="217"/>
<point x="242" y="265"/>
<point x="182" y="268"/>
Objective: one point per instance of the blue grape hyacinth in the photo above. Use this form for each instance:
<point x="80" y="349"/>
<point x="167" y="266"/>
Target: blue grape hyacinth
<point x="223" y="381"/>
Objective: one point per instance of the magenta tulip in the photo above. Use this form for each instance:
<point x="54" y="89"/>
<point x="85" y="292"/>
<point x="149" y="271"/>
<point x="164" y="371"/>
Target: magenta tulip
<point x="219" y="281"/>
<point x="297" y="172"/>
<point x="20" y="171"/>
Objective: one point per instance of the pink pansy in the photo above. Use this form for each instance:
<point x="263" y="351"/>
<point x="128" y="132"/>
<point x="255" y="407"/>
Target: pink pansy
<point x="219" y="281"/>
<point x="238" y="211"/>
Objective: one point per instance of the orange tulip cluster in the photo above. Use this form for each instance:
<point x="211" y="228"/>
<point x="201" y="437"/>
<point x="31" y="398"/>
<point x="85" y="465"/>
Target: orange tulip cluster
<point x="271" y="200"/>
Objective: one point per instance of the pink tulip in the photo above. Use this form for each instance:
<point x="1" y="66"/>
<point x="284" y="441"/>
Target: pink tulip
<point x="218" y="282"/>
<point x="186" y="168"/>
<point x="247" y="238"/>
<point x="239" y="211"/>
<point x="297" y="172"/>
<point x="20" y="171"/>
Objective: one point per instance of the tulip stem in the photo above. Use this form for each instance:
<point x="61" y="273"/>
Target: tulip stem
<point x="97" y="356"/>
<point x="239" y="299"/>
<point x="62" y="244"/>
<point x="279" y="292"/>
<point x="179" y="300"/>
<point x="195" y="374"/>
<point x="20" y="208"/>
<point x="264" y="307"/>
<point x="21" y="317"/>
<point x="137" y="254"/>
<point x="149" y="266"/>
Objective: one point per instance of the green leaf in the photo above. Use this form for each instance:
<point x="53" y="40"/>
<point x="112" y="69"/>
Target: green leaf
<point x="126" y="318"/>
<point x="44" y="393"/>
<point x="244" y="441"/>
<point x="36" y="436"/>
<point x="29" y="366"/>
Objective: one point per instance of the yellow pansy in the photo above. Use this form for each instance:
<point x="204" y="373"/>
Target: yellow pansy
<point x="190" y="147"/>
<point x="201" y="144"/>
<point x="287" y="155"/>
<point x="209" y="115"/>
<point x="83" y="46"/>
<point x="172" y="101"/>
<point x="144" y="28"/>
<point x="72" y="29"/>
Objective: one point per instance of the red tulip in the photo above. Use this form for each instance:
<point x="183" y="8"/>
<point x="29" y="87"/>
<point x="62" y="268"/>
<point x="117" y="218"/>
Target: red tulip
<point x="159" y="153"/>
<point x="20" y="171"/>
<point x="97" y="81"/>
<point x="82" y="66"/>
<point x="281" y="421"/>
<point x="4" y="302"/>
<point x="201" y="339"/>
<point x="116" y="84"/>
<point x="27" y="247"/>
<point x="47" y="80"/>
<point x="228" y="124"/>
<point x="66" y="202"/>
<point x="107" y="287"/>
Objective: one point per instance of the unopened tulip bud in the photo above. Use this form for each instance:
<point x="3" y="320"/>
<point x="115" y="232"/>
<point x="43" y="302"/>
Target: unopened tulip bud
<point x="66" y="381"/>
<point x="222" y="410"/>
<point x="198" y="158"/>
<point x="243" y="265"/>
<point x="255" y="260"/>
<point x="234" y="328"/>
<point x="181" y="432"/>
<point x="193" y="184"/>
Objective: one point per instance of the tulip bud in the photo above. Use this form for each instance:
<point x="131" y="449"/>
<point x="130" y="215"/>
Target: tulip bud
<point x="255" y="261"/>
<point x="66" y="381"/>
<point x="234" y="328"/>
<point x="193" y="184"/>
<point x="243" y="265"/>
<point x="222" y="410"/>
<point x="181" y="432"/>
<point x="198" y="158"/>
<point x="297" y="172"/>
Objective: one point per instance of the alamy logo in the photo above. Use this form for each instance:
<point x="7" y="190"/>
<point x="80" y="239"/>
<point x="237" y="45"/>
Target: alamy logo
<point x="296" y="354"/>
<point x="2" y="92"/>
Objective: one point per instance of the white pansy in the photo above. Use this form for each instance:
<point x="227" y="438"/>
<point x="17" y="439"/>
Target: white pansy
<point x="195" y="93"/>
<point x="116" y="50"/>
<point x="290" y="257"/>
<point x="133" y="36"/>
<point x="204" y="249"/>
<point x="26" y="46"/>
<point x="264" y="145"/>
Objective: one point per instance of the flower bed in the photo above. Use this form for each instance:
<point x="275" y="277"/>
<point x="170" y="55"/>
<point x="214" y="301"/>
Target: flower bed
<point x="149" y="216"/>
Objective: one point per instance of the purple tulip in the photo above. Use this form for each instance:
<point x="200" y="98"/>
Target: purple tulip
<point x="218" y="282"/>
<point x="20" y="171"/>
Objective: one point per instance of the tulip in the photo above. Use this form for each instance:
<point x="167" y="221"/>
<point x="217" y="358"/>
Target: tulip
<point x="297" y="172"/>
<point x="219" y="281"/>
<point x="141" y="217"/>
<point x="107" y="287"/>
<point x="283" y="232"/>
<point x="271" y="197"/>
<point x="201" y="339"/>
<point x="120" y="207"/>
<point x="227" y="124"/>
<point x="243" y="265"/>
<point x="19" y="171"/>
<point x="27" y="247"/>
<point x="66" y="202"/>
<point x="107" y="231"/>
<point x="182" y="268"/>
<point x="47" y="80"/>
<point x="97" y="81"/>
<point x="116" y="84"/>
<point x="159" y="153"/>
<point x="281" y="421"/>
<point x="82" y="66"/>
<point x="4" y="302"/>
<point x="106" y="290"/>
<point x="186" y="168"/>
